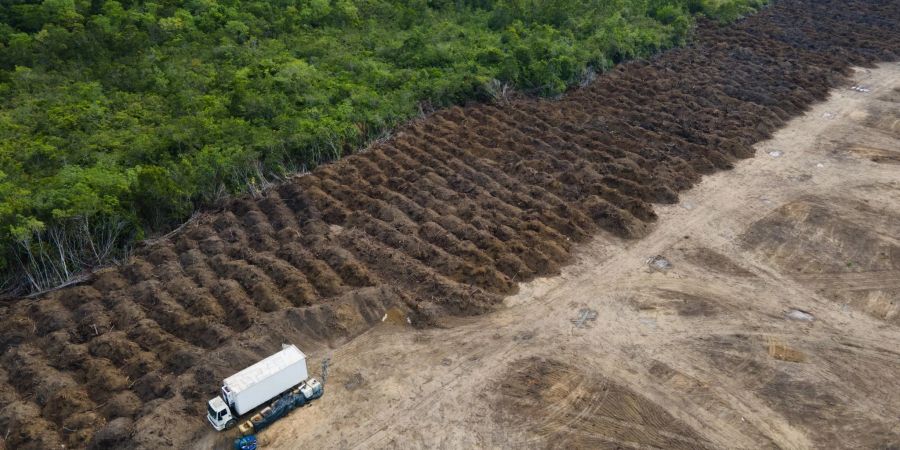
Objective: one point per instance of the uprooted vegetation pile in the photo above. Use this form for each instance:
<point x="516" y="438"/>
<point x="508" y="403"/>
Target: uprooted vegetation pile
<point x="444" y="218"/>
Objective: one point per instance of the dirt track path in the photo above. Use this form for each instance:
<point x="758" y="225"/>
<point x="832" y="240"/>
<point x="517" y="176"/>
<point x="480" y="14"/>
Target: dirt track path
<point x="697" y="355"/>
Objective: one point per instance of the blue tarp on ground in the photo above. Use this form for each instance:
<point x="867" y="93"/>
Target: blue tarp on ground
<point x="245" y="443"/>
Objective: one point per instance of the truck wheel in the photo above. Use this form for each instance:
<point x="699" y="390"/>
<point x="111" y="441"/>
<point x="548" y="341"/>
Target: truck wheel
<point x="230" y="424"/>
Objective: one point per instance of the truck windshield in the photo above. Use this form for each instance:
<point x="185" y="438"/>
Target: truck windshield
<point x="212" y="413"/>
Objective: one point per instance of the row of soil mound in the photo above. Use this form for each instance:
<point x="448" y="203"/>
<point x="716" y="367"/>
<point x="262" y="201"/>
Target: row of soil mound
<point x="444" y="218"/>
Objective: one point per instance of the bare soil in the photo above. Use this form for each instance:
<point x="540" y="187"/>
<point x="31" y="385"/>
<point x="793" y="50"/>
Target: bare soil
<point x="450" y="216"/>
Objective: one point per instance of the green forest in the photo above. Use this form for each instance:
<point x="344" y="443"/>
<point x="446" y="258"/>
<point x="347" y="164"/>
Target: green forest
<point x="118" y="119"/>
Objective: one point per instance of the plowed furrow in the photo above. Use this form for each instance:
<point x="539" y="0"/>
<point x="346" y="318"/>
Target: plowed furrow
<point x="60" y="398"/>
<point x="291" y="281"/>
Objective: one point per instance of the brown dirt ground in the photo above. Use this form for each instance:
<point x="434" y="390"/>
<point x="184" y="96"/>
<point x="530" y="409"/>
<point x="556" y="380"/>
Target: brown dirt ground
<point x="455" y="211"/>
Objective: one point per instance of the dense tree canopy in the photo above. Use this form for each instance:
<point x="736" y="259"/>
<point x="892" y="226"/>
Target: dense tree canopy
<point x="130" y="114"/>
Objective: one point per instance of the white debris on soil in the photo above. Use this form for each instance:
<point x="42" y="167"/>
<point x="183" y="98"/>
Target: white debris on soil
<point x="776" y="153"/>
<point x="859" y="88"/>
<point x="659" y="263"/>
<point x="796" y="314"/>
<point x="648" y="322"/>
<point x="585" y="315"/>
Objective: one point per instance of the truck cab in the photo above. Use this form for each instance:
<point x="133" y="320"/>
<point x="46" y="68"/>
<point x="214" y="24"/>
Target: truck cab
<point x="219" y="414"/>
<point x="311" y="389"/>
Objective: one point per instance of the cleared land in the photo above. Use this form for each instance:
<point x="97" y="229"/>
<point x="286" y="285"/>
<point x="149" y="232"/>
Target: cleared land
<point x="617" y="352"/>
<point x="449" y="216"/>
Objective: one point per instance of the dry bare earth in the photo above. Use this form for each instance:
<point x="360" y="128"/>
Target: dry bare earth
<point x="447" y="217"/>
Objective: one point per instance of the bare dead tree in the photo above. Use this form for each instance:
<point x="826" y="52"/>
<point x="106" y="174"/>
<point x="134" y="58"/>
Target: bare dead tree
<point x="255" y="179"/>
<point x="499" y="91"/>
<point x="65" y="253"/>
<point x="588" y="75"/>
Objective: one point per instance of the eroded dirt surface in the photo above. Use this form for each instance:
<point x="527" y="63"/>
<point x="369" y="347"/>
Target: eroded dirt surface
<point x="711" y="350"/>
<point x="451" y="214"/>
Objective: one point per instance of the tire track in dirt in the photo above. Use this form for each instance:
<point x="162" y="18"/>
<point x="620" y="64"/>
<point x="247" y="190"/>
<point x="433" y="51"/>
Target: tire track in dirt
<point x="443" y="218"/>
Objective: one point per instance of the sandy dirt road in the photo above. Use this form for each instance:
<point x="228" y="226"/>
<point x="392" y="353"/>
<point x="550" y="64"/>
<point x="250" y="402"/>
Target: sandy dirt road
<point x="708" y="351"/>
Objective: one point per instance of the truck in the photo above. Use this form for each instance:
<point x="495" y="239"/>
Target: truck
<point x="282" y="377"/>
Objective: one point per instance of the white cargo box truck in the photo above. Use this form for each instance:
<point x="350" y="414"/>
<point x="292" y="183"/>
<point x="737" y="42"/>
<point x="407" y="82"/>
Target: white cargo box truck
<point x="257" y="384"/>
